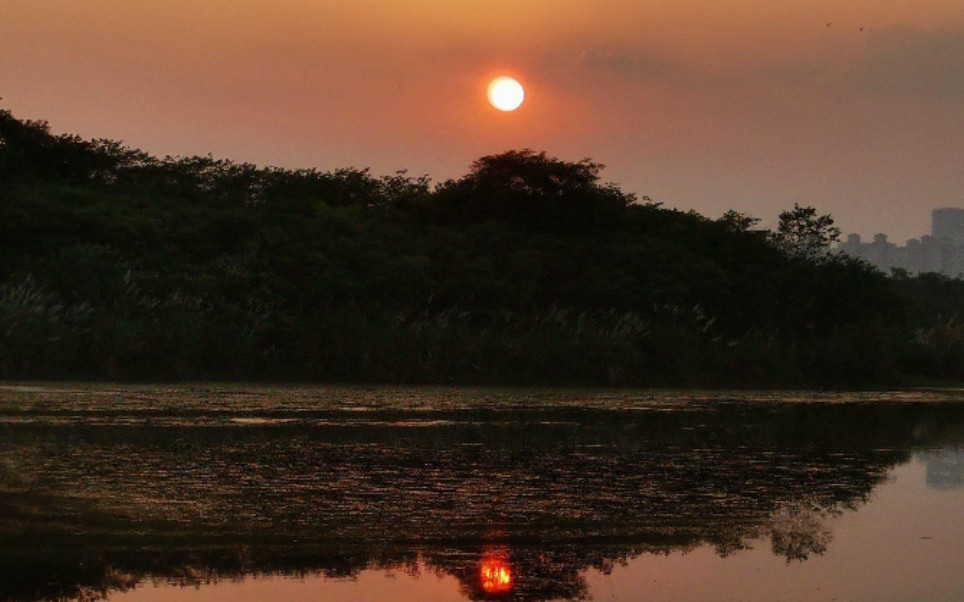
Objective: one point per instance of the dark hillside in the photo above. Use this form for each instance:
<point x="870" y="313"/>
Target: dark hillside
<point x="529" y="269"/>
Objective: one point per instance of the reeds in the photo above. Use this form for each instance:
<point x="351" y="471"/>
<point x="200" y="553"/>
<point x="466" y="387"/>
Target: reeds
<point x="181" y="336"/>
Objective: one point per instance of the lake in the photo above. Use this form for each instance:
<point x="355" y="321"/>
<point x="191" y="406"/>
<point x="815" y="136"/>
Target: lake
<point x="227" y="492"/>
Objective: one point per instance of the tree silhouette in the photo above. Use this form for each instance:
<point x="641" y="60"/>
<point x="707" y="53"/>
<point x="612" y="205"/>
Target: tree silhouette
<point x="528" y="269"/>
<point x="537" y="191"/>
<point x="803" y="234"/>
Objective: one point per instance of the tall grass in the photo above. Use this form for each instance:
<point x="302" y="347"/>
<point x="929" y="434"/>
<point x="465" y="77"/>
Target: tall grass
<point x="38" y="332"/>
<point x="938" y="350"/>
<point x="175" y="335"/>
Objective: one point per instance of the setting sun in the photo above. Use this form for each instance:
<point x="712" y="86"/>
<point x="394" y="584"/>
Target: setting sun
<point x="506" y="94"/>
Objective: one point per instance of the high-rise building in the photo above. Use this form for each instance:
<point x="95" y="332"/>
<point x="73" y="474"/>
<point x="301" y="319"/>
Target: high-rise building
<point x="941" y="252"/>
<point x="948" y="222"/>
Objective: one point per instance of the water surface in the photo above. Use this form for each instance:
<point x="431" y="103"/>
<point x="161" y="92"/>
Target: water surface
<point x="216" y="493"/>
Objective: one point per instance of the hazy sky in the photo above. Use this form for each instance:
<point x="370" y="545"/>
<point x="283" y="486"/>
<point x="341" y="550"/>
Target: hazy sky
<point x="856" y="106"/>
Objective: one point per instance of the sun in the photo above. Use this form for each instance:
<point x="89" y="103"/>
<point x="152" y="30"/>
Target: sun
<point x="506" y="94"/>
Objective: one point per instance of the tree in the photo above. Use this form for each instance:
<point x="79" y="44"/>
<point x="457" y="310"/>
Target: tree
<point x="803" y="234"/>
<point x="530" y="188"/>
<point x="738" y="222"/>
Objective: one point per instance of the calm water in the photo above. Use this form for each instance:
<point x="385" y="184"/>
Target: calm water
<point x="208" y="493"/>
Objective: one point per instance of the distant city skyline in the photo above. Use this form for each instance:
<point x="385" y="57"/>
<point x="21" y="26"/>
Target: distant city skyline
<point x="941" y="251"/>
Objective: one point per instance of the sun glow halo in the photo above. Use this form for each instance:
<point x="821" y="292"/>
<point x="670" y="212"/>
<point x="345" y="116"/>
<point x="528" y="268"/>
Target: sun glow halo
<point x="506" y="94"/>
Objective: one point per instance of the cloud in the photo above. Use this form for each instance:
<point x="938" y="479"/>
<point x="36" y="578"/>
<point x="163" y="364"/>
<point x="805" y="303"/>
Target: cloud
<point x="625" y="63"/>
<point x="639" y="66"/>
<point x="790" y="71"/>
<point x="911" y="62"/>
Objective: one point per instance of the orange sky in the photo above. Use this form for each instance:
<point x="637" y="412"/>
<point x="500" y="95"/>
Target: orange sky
<point x="706" y="105"/>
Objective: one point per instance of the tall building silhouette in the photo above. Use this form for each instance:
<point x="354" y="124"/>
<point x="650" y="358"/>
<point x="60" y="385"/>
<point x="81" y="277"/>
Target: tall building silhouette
<point x="942" y="251"/>
<point x="948" y="223"/>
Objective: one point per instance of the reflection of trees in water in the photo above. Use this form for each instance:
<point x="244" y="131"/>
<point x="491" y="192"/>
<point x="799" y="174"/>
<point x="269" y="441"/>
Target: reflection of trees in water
<point x="798" y="530"/>
<point x="566" y="490"/>
<point x="94" y="572"/>
<point x="538" y="573"/>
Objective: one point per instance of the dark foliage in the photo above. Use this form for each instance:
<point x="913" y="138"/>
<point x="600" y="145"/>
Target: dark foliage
<point x="529" y="269"/>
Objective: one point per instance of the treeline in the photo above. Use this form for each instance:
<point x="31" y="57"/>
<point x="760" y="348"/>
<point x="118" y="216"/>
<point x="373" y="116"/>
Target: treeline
<point x="528" y="270"/>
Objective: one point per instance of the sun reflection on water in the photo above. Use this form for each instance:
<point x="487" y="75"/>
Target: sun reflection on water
<point x="495" y="576"/>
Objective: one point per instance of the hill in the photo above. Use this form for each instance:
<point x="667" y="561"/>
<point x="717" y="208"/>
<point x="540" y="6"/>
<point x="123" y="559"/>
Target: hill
<point x="527" y="270"/>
